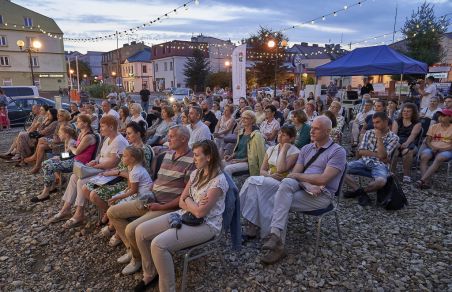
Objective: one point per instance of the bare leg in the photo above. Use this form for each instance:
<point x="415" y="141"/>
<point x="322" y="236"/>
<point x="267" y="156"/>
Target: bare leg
<point x="351" y="182"/>
<point x="95" y="199"/>
<point x="375" y="185"/>
<point x="407" y="163"/>
<point x="425" y="158"/>
<point x="434" y="167"/>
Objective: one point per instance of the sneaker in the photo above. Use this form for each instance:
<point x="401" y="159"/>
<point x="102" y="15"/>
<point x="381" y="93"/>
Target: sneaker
<point x="106" y="232"/>
<point x="354" y="194"/>
<point x="133" y="267"/>
<point x="364" y="200"/>
<point x="124" y="259"/>
<point x="274" y="256"/>
<point x="406" y="179"/>
<point x="114" y="241"/>
<point x="250" y="230"/>
<point x="271" y="242"/>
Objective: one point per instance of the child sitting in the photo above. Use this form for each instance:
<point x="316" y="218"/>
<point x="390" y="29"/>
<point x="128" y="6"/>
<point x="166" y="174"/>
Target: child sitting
<point x="4" y="121"/>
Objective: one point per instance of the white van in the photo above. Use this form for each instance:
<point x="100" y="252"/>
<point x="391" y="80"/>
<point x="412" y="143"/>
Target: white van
<point x="20" y="91"/>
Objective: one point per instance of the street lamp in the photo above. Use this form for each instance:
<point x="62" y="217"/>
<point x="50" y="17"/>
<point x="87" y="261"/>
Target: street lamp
<point x="113" y="74"/>
<point x="34" y="48"/>
<point x="273" y="44"/>
<point x="227" y="64"/>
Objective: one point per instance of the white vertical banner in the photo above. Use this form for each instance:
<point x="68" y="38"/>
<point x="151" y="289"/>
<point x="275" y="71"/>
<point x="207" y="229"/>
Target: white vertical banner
<point x="239" y="73"/>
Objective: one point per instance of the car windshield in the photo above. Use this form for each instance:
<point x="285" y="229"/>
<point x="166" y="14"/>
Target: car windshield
<point x="181" y="91"/>
<point x="18" y="91"/>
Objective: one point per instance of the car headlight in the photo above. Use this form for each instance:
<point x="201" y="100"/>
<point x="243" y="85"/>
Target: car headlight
<point x="171" y="99"/>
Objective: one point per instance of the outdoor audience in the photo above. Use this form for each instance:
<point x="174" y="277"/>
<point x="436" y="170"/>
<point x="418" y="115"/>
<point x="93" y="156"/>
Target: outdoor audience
<point x="142" y="197"/>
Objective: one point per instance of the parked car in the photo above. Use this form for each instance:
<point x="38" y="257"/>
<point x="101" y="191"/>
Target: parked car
<point x="180" y="93"/>
<point x="19" y="108"/>
<point x="169" y="91"/>
<point x="269" y="92"/>
<point x="21" y="91"/>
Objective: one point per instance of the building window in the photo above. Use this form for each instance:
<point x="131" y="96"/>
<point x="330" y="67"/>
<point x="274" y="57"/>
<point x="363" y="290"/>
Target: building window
<point x="4" y="61"/>
<point x="164" y="50"/>
<point x="7" y="82"/>
<point x="156" y="67"/>
<point x="172" y="83"/>
<point x="3" y="42"/>
<point x="1" y="19"/>
<point x="35" y="61"/>
<point x="29" y="41"/>
<point x="145" y="69"/>
<point x="166" y="66"/>
<point x="171" y="66"/>
<point x="28" y="21"/>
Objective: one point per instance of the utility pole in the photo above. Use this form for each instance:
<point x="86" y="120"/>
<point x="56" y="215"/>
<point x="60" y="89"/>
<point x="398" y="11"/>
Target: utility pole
<point x="395" y="21"/>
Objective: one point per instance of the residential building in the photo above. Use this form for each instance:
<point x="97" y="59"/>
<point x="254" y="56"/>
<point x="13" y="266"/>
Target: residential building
<point x="48" y="63"/>
<point x="169" y="59"/>
<point x="112" y="60"/>
<point x="136" y="72"/>
<point x="220" y="51"/>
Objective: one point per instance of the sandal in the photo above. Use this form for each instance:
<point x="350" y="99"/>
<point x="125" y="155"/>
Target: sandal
<point x="72" y="223"/>
<point x="420" y="184"/>
<point x="58" y="217"/>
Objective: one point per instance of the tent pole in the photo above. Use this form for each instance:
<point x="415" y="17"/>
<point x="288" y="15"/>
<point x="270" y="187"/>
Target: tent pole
<point x="400" y="87"/>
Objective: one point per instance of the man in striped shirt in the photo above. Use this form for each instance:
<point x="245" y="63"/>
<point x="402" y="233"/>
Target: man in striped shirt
<point x="172" y="177"/>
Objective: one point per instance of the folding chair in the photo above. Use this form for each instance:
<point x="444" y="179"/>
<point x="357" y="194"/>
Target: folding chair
<point x="320" y="213"/>
<point x="200" y="250"/>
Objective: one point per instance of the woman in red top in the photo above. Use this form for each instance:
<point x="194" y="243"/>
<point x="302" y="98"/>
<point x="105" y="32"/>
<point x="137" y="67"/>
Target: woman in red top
<point x="82" y="150"/>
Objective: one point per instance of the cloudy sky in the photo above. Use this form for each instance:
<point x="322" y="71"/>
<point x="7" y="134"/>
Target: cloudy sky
<point x="227" y="19"/>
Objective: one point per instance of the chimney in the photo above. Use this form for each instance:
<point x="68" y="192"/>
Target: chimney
<point x="315" y="45"/>
<point x="304" y="44"/>
<point x="133" y="43"/>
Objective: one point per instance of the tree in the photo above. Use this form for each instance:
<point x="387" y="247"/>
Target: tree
<point x="83" y="69"/>
<point x="265" y="57"/>
<point x="220" y="79"/>
<point x="196" y="70"/>
<point x="423" y="32"/>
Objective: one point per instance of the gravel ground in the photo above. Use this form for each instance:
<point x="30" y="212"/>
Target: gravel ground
<point x="407" y="250"/>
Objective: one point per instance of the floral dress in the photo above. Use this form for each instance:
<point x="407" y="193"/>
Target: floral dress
<point x="105" y="192"/>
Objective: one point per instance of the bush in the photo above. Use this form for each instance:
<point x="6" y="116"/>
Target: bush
<point x="100" y="90"/>
<point x="221" y="79"/>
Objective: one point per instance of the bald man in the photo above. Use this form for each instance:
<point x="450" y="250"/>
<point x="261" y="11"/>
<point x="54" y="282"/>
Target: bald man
<point x="310" y="186"/>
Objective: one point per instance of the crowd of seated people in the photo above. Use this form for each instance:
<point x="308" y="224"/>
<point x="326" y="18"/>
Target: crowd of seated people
<point x="173" y="162"/>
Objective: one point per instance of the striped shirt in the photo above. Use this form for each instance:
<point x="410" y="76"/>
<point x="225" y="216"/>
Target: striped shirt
<point x="172" y="177"/>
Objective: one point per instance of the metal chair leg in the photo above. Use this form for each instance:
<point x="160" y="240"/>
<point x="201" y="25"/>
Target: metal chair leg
<point x="184" y="272"/>
<point x="337" y="225"/>
<point x="319" y="224"/>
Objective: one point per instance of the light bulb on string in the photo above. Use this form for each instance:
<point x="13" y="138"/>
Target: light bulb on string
<point x="345" y="7"/>
<point x="334" y="13"/>
<point x="323" y="17"/>
<point x="196" y="2"/>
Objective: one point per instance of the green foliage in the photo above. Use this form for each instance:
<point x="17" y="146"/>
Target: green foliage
<point x="424" y="32"/>
<point x="99" y="90"/>
<point x="196" y="70"/>
<point x="83" y="69"/>
<point x="221" y="79"/>
<point x="257" y="45"/>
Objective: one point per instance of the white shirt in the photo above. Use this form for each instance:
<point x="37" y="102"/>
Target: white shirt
<point x="199" y="132"/>
<point x="113" y="113"/>
<point x="138" y="174"/>
<point x="116" y="147"/>
<point x="361" y="117"/>
<point x="427" y="113"/>
<point x="267" y="128"/>
<point x="273" y="153"/>
<point x="431" y="91"/>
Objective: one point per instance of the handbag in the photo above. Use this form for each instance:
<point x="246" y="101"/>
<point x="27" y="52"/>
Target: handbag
<point x="191" y="220"/>
<point x="391" y="196"/>
<point x="230" y="138"/>
<point x="82" y="171"/>
<point x="34" y="135"/>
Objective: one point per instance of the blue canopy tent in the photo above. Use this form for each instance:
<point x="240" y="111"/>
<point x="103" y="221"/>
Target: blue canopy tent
<point x="377" y="60"/>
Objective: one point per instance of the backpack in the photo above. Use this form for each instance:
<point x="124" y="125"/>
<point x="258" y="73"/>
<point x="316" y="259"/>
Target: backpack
<point x="391" y="196"/>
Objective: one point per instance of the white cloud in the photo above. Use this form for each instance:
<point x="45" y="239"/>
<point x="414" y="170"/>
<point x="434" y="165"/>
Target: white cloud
<point x="323" y="28"/>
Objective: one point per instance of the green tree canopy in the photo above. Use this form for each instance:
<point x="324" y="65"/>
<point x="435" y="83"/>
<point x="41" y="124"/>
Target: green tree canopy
<point x="83" y="69"/>
<point x="196" y="70"/>
<point x="423" y="32"/>
<point x="265" y="57"/>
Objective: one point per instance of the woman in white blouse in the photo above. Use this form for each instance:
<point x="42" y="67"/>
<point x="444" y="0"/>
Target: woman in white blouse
<point x="204" y="198"/>
<point x="135" y="112"/>
<point x="270" y="126"/>
<point x="257" y="193"/>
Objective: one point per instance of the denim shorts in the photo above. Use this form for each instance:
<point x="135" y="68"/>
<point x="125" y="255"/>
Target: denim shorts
<point x="445" y="154"/>
<point x="369" y="169"/>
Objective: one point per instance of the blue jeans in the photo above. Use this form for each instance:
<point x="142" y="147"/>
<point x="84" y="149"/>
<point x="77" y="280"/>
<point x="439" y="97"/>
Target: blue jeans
<point x="145" y="105"/>
<point x="445" y="154"/>
<point x="369" y="169"/>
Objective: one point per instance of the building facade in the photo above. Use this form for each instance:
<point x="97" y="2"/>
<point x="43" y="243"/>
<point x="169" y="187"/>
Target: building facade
<point x="169" y="59"/>
<point x="48" y="62"/>
<point x="220" y="51"/>
<point x="112" y="60"/>
<point x="137" y="72"/>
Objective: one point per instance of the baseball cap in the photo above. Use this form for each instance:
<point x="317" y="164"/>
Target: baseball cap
<point x="446" y="112"/>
